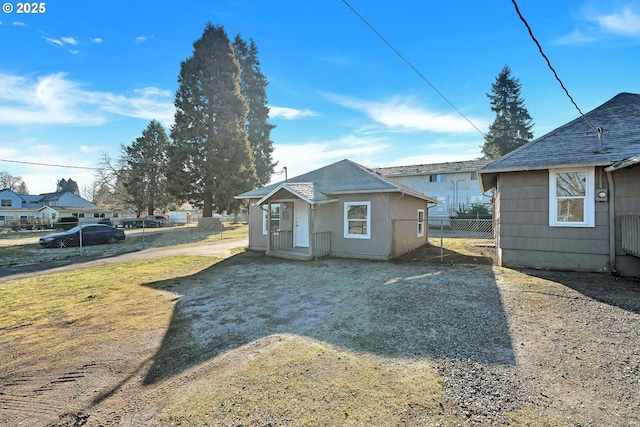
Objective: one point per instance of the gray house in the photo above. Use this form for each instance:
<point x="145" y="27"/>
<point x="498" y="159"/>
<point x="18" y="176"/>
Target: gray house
<point x="570" y="199"/>
<point x="341" y="210"/>
<point x="453" y="184"/>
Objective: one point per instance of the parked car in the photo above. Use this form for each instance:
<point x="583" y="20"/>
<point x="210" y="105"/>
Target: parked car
<point x="150" y="221"/>
<point x="92" y="234"/>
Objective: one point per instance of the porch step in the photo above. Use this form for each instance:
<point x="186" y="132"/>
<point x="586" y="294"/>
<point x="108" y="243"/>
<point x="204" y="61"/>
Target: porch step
<point x="301" y="254"/>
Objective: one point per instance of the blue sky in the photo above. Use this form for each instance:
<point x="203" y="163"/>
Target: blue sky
<point x="85" y="77"/>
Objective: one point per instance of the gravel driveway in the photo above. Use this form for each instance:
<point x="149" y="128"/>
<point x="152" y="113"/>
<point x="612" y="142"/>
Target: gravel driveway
<point x="564" y="346"/>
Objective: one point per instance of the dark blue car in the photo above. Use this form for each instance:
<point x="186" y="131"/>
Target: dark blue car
<point x="92" y="234"/>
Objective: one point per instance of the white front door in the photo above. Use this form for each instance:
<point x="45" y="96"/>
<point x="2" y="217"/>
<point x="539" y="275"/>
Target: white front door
<point x="301" y="224"/>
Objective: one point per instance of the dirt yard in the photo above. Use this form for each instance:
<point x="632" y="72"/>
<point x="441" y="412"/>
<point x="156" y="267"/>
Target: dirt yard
<point x="254" y="341"/>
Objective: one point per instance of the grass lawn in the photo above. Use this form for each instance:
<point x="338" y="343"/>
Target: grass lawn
<point x="68" y="312"/>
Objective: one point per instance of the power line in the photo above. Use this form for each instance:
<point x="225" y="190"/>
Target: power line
<point x="47" y="164"/>
<point x="411" y="66"/>
<point x="599" y="130"/>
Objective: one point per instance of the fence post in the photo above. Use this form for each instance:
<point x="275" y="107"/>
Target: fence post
<point x="441" y="240"/>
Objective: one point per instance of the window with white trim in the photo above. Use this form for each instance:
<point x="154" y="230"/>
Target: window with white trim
<point x="357" y="220"/>
<point x="420" y="222"/>
<point x="571" y="197"/>
<point x="275" y="218"/>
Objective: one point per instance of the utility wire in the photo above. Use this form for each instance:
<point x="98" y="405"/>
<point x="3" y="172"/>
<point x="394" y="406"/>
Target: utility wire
<point x="411" y="66"/>
<point x="598" y="130"/>
<point x="47" y="164"/>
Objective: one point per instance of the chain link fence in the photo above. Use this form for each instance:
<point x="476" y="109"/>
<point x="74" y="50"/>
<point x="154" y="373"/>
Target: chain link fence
<point x="464" y="240"/>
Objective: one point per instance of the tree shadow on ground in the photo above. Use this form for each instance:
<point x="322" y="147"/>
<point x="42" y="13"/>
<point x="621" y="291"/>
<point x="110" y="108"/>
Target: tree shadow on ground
<point x="622" y="292"/>
<point x="481" y="255"/>
<point x="387" y="309"/>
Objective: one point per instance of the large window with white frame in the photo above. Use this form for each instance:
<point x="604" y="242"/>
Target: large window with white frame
<point x="420" y="222"/>
<point x="571" y="197"/>
<point x="357" y="220"/>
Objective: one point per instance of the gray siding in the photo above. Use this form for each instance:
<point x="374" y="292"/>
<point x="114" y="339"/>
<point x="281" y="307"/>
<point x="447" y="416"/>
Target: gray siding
<point x="526" y="239"/>
<point x="627" y="196"/>
<point x="330" y="217"/>
<point x="257" y="240"/>
<point x="404" y="214"/>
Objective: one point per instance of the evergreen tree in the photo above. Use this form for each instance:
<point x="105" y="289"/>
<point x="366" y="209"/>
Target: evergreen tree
<point x="512" y="126"/>
<point x="146" y="162"/>
<point x="210" y="159"/>
<point x="253" y="84"/>
<point x="67" y="185"/>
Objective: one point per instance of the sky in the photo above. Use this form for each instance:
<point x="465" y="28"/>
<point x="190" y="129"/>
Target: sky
<point x="82" y="78"/>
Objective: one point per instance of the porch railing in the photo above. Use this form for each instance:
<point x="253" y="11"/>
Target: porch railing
<point x="321" y="244"/>
<point x="630" y="227"/>
<point x="282" y="239"/>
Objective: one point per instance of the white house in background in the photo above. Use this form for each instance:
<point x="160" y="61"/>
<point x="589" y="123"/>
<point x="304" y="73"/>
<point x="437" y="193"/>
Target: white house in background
<point x="453" y="184"/>
<point x="48" y="208"/>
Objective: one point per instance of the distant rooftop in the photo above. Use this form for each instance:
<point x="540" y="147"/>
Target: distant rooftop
<point x="433" y="168"/>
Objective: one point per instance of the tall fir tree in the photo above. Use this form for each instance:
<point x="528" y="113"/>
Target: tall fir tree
<point x="210" y="159"/>
<point x="253" y="85"/>
<point x="512" y="126"/>
<point x="145" y="162"/>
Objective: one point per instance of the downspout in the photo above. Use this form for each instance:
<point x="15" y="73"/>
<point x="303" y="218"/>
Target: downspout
<point x="612" y="225"/>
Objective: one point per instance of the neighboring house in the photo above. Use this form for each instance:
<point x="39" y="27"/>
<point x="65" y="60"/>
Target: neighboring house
<point x="341" y="210"/>
<point x="571" y="199"/>
<point x="47" y="208"/>
<point x="453" y="184"/>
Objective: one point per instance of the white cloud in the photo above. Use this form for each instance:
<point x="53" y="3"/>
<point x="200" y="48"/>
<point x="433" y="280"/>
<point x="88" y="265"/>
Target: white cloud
<point x="88" y="149"/>
<point x="69" y="40"/>
<point x="625" y="22"/>
<point x="55" y="42"/>
<point x="96" y="40"/>
<point x="141" y="39"/>
<point x="152" y="91"/>
<point x="577" y="37"/>
<point x="305" y="157"/>
<point x="398" y="113"/>
<point x="62" y="42"/>
<point x="19" y="24"/>
<point x="54" y="99"/>
<point x="289" y="113"/>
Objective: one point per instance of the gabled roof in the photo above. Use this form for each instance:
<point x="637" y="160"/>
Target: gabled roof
<point x="306" y="191"/>
<point x="343" y="177"/>
<point x="433" y="168"/>
<point x="577" y="143"/>
<point x="53" y="196"/>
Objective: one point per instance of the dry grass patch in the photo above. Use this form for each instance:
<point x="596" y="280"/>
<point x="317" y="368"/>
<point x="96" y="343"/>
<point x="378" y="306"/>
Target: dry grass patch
<point x="292" y="380"/>
<point x="59" y="312"/>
